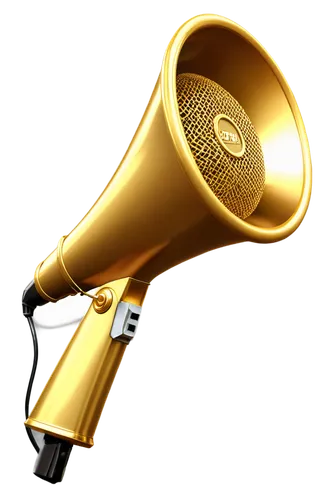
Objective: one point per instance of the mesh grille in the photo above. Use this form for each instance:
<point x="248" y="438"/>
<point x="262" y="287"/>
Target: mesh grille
<point x="237" y="182"/>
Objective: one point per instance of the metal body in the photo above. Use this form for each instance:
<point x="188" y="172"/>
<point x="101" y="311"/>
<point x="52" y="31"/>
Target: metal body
<point x="72" y="401"/>
<point x="157" y="211"/>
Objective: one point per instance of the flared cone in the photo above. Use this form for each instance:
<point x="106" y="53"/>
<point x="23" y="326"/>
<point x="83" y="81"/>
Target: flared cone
<point x="158" y="210"/>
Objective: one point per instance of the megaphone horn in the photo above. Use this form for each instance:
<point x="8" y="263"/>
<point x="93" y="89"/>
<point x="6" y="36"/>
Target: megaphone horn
<point x="220" y="157"/>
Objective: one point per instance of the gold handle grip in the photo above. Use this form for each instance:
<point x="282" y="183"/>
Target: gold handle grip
<point x="73" y="399"/>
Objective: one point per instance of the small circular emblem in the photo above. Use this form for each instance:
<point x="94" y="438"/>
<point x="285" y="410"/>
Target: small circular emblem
<point x="103" y="301"/>
<point x="229" y="135"/>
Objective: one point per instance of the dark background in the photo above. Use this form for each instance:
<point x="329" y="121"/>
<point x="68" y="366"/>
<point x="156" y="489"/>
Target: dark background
<point x="224" y="386"/>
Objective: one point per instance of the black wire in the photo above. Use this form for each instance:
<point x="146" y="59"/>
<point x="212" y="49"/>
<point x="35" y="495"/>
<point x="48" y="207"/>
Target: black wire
<point x="28" y="396"/>
<point x="27" y="313"/>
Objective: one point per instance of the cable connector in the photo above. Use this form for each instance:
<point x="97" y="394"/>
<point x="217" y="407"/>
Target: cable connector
<point x="125" y="322"/>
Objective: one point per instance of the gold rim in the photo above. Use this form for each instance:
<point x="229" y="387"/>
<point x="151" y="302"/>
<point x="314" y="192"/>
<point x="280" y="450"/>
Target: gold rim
<point x="169" y="97"/>
<point x="53" y="430"/>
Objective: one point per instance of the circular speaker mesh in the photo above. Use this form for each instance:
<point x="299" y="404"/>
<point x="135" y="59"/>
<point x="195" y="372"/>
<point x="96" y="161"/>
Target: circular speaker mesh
<point x="237" y="182"/>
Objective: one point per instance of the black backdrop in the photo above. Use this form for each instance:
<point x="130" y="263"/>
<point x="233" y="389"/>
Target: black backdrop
<point x="223" y="385"/>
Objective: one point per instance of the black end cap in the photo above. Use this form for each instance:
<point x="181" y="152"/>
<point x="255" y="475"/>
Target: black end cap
<point x="30" y="299"/>
<point x="52" y="459"/>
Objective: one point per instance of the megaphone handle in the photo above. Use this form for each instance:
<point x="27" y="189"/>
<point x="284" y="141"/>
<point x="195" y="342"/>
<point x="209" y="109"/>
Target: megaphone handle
<point x="73" y="399"/>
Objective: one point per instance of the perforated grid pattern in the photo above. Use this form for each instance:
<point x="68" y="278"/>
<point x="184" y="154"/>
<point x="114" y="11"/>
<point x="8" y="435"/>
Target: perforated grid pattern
<point x="237" y="182"/>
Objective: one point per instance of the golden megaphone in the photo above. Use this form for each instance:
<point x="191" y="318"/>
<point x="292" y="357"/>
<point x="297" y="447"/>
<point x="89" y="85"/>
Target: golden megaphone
<point x="160" y="210"/>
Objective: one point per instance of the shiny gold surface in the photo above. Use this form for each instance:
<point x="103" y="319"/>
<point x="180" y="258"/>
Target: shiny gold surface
<point x="158" y="211"/>
<point x="73" y="399"/>
<point x="39" y="287"/>
<point x="255" y="81"/>
<point x="65" y="274"/>
<point x="103" y="301"/>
